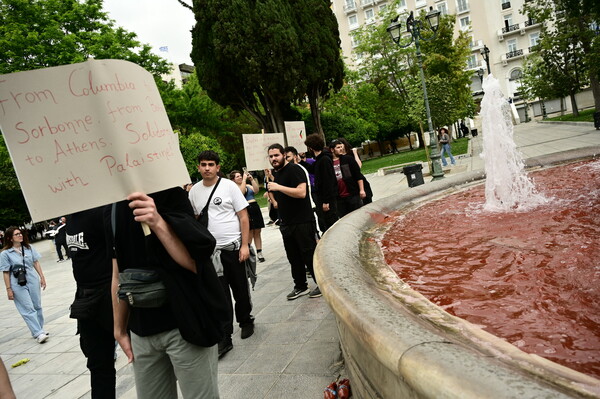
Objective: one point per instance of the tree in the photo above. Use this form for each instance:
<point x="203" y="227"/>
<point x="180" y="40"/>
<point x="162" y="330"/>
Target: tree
<point x="249" y="55"/>
<point x="44" y="33"/>
<point x="568" y="42"/>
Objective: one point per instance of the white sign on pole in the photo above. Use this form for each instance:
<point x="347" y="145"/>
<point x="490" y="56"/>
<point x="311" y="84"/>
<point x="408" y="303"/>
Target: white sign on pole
<point x="255" y="149"/>
<point x="87" y="134"/>
<point x="295" y="132"/>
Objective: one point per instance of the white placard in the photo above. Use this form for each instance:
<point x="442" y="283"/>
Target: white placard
<point x="295" y="132"/>
<point x="87" y="134"/>
<point x="255" y="149"/>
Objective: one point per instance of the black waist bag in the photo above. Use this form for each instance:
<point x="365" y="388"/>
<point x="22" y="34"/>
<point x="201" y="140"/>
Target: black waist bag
<point x="142" y="288"/>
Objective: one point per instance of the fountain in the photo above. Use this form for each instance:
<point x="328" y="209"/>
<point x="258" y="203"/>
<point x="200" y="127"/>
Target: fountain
<point x="396" y="343"/>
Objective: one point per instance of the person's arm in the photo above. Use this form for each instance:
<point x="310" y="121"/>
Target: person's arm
<point x="295" y="192"/>
<point x="243" y="187"/>
<point x="144" y="211"/>
<point x="6" y="391"/>
<point x="271" y="198"/>
<point x="9" y="291"/>
<point x="361" y="188"/>
<point x="38" y="269"/>
<point x="245" y="229"/>
<point x="120" y="315"/>
<point x="357" y="157"/>
<point x="253" y="183"/>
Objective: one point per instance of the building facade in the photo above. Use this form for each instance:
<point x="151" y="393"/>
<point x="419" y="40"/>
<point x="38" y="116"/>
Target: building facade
<point x="499" y="24"/>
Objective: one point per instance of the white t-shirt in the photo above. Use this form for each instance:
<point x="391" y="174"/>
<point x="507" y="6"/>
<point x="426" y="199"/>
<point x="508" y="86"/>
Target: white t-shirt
<point x="223" y="222"/>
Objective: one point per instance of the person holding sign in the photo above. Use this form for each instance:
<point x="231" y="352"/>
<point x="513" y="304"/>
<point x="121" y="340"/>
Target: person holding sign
<point x="23" y="277"/>
<point x="176" y="340"/>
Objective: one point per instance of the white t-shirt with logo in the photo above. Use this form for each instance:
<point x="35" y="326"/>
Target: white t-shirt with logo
<point x="223" y="222"/>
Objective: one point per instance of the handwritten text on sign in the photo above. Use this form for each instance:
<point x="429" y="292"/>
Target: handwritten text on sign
<point x="255" y="149"/>
<point x="87" y="134"/>
<point x="295" y="132"/>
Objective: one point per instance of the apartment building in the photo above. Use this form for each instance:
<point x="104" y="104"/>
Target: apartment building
<point x="498" y="24"/>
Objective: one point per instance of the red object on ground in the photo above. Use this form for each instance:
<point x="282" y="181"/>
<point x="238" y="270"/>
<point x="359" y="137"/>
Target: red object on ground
<point x="530" y="278"/>
<point x="344" y="391"/>
<point x="331" y="391"/>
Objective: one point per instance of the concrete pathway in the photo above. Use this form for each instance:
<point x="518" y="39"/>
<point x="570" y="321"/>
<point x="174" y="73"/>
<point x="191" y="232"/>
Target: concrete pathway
<point x="294" y="352"/>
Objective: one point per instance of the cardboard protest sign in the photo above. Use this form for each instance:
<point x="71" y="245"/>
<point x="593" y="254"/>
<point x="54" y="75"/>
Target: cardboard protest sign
<point x="255" y="149"/>
<point x="295" y="132"/>
<point x="87" y="134"/>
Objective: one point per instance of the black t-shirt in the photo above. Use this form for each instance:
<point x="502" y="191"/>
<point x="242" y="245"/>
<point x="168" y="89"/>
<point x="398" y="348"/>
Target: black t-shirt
<point x="88" y="245"/>
<point x="292" y="210"/>
<point x="133" y="250"/>
<point x="60" y="235"/>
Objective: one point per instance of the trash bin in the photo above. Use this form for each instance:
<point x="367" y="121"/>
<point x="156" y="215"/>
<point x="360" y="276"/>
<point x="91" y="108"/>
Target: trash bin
<point x="597" y="120"/>
<point x="414" y="174"/>
<point x="474" y="132"/>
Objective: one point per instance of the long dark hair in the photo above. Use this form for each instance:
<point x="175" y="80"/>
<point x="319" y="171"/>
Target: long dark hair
<point x="233" y="173"/>
<point x="8" y="235"/>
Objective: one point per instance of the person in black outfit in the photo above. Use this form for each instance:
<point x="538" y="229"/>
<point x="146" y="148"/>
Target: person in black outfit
<point x="92" y="269"/>
<point x="60" y="240"/>
<point x="325" y="182"/>
<point x="351" y="189"/>
<point x="298" y="229"/>
<point x="174" y="344"/>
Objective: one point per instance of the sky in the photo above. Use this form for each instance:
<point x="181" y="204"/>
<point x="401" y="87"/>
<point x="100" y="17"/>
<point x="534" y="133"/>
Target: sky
<point x="157" y="23"/>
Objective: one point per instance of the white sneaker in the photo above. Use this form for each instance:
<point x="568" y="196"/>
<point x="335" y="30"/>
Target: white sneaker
<point x="42" y="338"/>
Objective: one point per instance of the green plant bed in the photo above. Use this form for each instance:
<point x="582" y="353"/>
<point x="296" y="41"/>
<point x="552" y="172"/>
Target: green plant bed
<point x="584" y="116"/>
<point x="262" y="202"/>
<point x="459" y="146"/>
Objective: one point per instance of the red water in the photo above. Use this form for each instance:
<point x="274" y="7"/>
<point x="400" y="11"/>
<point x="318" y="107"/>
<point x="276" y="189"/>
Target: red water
<point x="531" y="278"/>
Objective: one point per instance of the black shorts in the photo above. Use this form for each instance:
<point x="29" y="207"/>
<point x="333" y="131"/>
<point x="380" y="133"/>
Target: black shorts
<point x="256" y="217"/>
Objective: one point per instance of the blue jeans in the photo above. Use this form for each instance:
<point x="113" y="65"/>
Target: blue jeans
<point x="446" y="148"/>
<point x="28" y="300"/>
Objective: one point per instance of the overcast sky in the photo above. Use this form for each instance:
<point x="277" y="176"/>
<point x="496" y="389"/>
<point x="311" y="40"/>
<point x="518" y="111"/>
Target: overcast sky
<point x="158" y="23"/>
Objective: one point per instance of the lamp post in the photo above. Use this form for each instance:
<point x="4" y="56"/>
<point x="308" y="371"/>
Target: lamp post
<point x="485" y="53"/>
<point x="414" y="27"/>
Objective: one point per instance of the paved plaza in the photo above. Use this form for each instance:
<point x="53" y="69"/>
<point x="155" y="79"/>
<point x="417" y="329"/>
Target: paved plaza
<point x="294" y="352"/>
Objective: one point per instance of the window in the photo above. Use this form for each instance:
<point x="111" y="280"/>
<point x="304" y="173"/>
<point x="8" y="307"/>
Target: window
<point x="505" y="4"/>
<point x="534" y="38"/>
<point x="465" y="22"/>
<point x="508" y="20"/>
<point x="472" y="61"/>
<point x="515" y="74"/>
<point x="355" y="41"/>
<point x="511" y="45"/>
<point x="462" y="5"/>
<point x="420" y="3"/>
<point x="353" y="21"/>
<point x="369" y="15"/>
<point x="443" y="8"/>
<point x="382" y="8"/>
<point x="402" y="4"/>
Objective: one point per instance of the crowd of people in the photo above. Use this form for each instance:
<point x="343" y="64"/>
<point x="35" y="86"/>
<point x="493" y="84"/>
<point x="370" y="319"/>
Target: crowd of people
<point x="190" y="252"/>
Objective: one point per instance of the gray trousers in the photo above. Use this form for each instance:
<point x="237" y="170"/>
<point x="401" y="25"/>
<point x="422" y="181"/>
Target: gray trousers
<point x="160" y="360"/>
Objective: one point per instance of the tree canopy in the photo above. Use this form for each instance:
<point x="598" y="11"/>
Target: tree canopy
<point x="260" y="56"/>
<point x="569" y="44"/>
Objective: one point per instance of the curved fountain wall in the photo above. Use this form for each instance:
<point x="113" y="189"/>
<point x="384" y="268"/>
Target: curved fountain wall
<point x="397" y="344"/>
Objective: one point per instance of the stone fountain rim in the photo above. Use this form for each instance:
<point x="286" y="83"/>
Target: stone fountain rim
<point x="402" y="329"/>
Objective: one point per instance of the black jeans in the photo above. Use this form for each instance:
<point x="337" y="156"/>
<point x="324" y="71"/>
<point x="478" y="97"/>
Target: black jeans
<point x="62" y="244"/>
<point x="299" y="241"/>
<point x="234" y="278"/>
<point x="326" y="219"/>
<point x="348" y="204"/>
<point x="97" y="343"/>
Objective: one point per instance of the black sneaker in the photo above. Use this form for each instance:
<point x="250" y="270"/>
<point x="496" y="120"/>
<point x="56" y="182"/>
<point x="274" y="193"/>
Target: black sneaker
<point x="297" y="294"/>
<point x="225" y="346"/>
<point x="316" y="293"/>
<point x="247" y="331"/>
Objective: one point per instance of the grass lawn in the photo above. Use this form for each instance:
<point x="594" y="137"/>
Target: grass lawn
<point x="584" y="116"/>
<point x="459" y="146"/>
<point x="262" y="202"/>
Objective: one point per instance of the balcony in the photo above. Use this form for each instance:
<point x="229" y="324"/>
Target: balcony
<point x="366" y="3"/>
<point x="513" y="54"/>
<point x="475" y="45"/>
<point x="349" y="7"/>
<point x="506" y="5"/>
<point x="510" y="28"/>
<point x="531" y="22"/>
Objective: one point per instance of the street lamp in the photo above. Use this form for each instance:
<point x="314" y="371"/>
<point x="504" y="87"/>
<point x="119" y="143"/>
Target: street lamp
<point x="485" y="53"/>
<point x="414" y="27"/>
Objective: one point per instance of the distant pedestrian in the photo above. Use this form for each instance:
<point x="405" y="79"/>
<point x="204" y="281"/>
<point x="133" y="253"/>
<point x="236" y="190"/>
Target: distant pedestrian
<point x="60" y="240"/>
<point x="444" y="140"/>
<point x="351" y="189"/>
<point x="19" y="261"/>
<point x="257" y="223"/>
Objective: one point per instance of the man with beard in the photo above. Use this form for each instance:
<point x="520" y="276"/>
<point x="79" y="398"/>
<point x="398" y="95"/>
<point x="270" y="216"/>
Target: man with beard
<point x="298" y="231"/>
